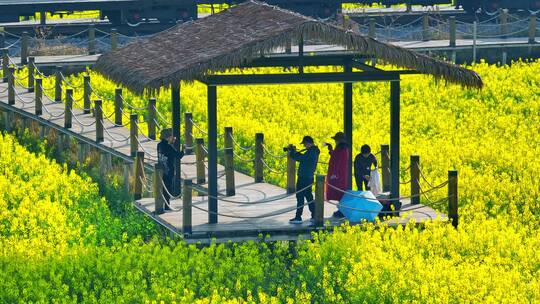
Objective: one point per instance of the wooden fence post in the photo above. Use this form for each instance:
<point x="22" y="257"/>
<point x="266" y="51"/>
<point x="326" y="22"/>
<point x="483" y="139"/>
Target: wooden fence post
<point x="425" y="27"/>
<point x="11" y="85"/>
<point x="139" y="167"/>
<point x="31" y="68"/>
<point x="186" y="208"/>
<point x="87" y="94"/>
<point x="92" y="39"/>
<point x="114" y="39"/>
<point x="24" y="47"/>
<point x="188" y="132"/>
<point x="385" y="167"/>
<point x="415" y="179"/>
<point x="372" y="28"/>
<point x="504" y="23"/>
<point x="38" y="98"/>
<point x="452" y="28"/>
<point x="152" y="118"/>
<point x="5" y="64"/>
<point x="133" y="133"/>
<point x="229" y="162"/>
<point x="291" y="174"/>
<point x="159" y="200"/>
<point x="2" y="40"/>
<point x="453" y="197"/>
<point x="199" y="159"/>
<point x="532" y="29"/>
<point x="68" y="108"/>
<point x="58" y="84"/>
<point x="127" y="177"/>
<point x="99" y="120"/>
<point x="319" y="201"/>
<point x="118" y="106"/>
<point x="259" y="154"/>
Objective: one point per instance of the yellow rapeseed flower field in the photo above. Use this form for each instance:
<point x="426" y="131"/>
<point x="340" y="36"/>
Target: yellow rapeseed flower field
<point x="491" y="136"/>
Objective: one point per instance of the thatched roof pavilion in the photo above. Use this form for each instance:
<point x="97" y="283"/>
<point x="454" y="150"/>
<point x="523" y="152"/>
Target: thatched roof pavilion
<point x="239" y="35"/>
<point x="247" y="35"/>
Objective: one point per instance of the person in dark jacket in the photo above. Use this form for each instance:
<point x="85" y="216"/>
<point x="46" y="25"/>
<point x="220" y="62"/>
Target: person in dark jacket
<point x="306" y="170"/>
<point x="362" y="167"/>
<point x="167" y="155"/>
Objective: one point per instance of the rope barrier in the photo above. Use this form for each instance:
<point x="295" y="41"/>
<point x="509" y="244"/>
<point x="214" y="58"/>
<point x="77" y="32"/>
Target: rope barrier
<point x="69" y="83"/>
<point x="126" y="138"/>
<point x="242" y="159"/>
<point x="267" y="151"/>
<point x="240" y="146"/>
<point x="79" y="122"/>
<point x="170" y="195"/>
<point x="272" y="170"/>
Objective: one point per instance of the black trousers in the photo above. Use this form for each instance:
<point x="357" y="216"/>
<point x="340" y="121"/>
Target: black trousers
<point x="167" y="182"/>
<point x="305" y="195"/>
<point x="362" y="181"/>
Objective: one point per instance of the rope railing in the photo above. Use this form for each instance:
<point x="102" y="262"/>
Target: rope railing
<point x="236" y="143"/>
<point x="51" y="115"/>
<point x="263" y="201"/>
<point x="79" y="122"/>
<point x="388" y="199"/>
<point x="151" y="156"/>
<point x="271" y="169"/>
<point x="244" y="160"/>
<point x="125" y="138"/>
<point x="269" y="153"/>
<point x="69" y="83"/>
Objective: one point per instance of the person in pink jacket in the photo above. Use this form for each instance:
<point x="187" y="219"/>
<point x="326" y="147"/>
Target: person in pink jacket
<point x="338" y="169"/>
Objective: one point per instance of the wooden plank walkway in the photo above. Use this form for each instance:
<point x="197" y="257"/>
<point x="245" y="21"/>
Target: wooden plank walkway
<point x="235" y="227"/>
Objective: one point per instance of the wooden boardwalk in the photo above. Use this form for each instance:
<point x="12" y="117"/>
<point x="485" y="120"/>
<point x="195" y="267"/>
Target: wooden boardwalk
<point x="240" y="221"/>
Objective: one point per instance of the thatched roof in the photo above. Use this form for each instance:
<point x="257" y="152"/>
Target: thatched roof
<point x="238" y="35"/>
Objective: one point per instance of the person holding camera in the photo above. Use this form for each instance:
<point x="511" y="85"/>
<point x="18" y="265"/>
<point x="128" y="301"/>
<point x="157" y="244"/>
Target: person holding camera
<point x="167" y="155"/>
<point x="307" y="159"/>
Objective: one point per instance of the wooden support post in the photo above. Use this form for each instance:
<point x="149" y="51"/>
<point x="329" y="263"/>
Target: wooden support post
<point x="259" y="155"/>
<point x="58" y="84"/>
<point x="133" y="133"/>
<point x="348" y="119"/>
<point x="453" y="197"/>
<point x="395" y="141"/>
<point x="114" y="39"/>
<point x="288" y="47"/>
<point x="199" y="159"/>
<point x="504" y="23"/>
<point x="212" y="155"/>
<point x="24" y="47"/>
<point x="229" y="162"/>
<point x="385" y="167"/>
<point x="415" y="179"/>
<point x="5" y="64"/>
<point x="81" y="153"/>
<point x="86" y="94"/>
<point x="9" y="121"/>
<point x="291" y="174"/>
<point x="92" y="39"/>
<point x="42" y="18"/>
<point x="504" y="56"/>
<point x="452" y="33"/>
<point x="188" y="132"/>
<point x="139" y="167"/>
<point x="11" y="85"/>
<point x="176" y="124"/>
<point x="152" y="118"/>
<point x="2" y="40"/>
<point x="127" y="177"/>
<point x="118" y="106"/>
<point x="532" y="29"/>
<point x="59" y="146"/>
<point x="105" y="163"/>
<point x="319" y="201"/>
<point x="31" y="68"/>
<point x="68" y="108"/>
<point x="372" y="27"/>
<point x="99" y="120"/>
<point x="425" y="27"/>
<point x="38" y="97"/>
<point x="186" y="207"/>
<point x="159" y="199"/>
<point x="475" y="35"/>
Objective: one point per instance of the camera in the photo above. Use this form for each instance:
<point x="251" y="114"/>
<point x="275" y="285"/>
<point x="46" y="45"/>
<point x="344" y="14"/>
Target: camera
<point x="289" y="148"/>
